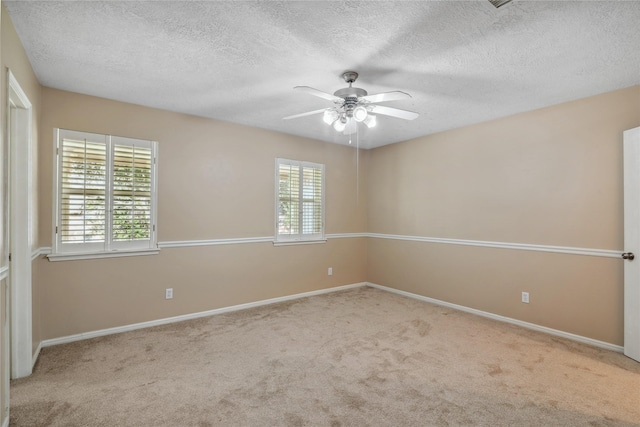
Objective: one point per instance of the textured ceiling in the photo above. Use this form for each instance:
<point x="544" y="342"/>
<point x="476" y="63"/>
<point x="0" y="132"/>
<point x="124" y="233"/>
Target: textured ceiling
<point x="462" y="61"/>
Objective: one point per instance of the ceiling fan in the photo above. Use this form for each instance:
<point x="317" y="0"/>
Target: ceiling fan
<point x="352" y="105"/>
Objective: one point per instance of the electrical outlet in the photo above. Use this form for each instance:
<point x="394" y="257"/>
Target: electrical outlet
<point x="168" y="293"/>
<point x="330" y="271"/>
<point x="525" y="297"/>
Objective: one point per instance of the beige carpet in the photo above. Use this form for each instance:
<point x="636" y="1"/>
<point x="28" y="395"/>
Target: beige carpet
<point x="362" y="357"/>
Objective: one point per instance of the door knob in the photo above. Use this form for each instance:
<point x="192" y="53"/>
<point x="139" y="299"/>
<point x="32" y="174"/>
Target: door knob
<point x="628" y="255"/>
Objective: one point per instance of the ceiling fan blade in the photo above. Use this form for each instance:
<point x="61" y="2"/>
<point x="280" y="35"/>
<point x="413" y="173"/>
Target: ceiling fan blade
<point x="393" y="112"/>
<point x="308" y="113"/>
<point x="318" y="93"/>
<point x="386" y="96"/>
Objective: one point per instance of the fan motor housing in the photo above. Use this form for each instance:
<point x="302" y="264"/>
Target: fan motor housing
<point x="349" y="92"/>
<point x="350" y="103"/>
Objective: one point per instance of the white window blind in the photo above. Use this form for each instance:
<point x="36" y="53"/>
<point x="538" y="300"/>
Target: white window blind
<point x="105" y="193"/>
<point x="299" y="201"/>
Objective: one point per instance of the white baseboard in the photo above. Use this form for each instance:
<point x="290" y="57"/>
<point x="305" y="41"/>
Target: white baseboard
<point x="142" y="325"/>
<point x="517" y="322"/>
<point x="35" y="355"/>
<point x="132" y="327"/>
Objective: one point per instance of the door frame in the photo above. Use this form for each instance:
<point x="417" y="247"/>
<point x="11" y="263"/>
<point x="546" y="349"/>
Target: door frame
<point x="631" y="150"/>
<point x="19" y="128"/>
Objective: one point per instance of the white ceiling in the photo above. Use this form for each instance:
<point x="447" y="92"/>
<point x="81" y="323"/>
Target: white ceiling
<point x="463" y="62"/>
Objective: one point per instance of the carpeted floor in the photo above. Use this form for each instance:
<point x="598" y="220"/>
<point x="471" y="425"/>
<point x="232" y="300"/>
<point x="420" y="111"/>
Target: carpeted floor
<point x="362" y="357"/>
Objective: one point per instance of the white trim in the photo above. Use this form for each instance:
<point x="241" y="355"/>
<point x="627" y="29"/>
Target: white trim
<point x="108" y="244"/>
<point x="190" y="243"/>
<point x="112" y="254"/>
<point x="55" y="193"/>
<point x="142" y="325"/>
<point x="299" y="242"/>
<point x="346" y="235"/>
<point x="608" y="253"/>
<point x="36" y="355"/>
<point x="270" y="239"/>
<point x="19" y="116"/>
<point x="4" y="272"/>
<point x="527" y="325"/>
<point x="213" y="242"/>
<point x="300" y="237"/>
<point x="6" y="421"/>
<point x="39" y="252"/>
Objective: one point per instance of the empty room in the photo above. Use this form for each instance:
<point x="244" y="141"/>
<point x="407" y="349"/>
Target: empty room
<point x="320" y="213"/>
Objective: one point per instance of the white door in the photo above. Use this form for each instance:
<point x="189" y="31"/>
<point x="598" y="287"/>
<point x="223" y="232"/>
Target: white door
<point x="632" y="243"/>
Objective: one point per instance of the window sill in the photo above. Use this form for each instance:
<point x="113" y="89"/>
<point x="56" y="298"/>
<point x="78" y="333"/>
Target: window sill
<point x="298" y="242"/>
<point x="94" y="255"/>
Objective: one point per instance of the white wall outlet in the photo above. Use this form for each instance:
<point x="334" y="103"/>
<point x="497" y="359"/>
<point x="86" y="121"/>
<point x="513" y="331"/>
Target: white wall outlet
<point x="330" y="271"/>
<point x="168" y="293"/>
<point x="525" y="297"/>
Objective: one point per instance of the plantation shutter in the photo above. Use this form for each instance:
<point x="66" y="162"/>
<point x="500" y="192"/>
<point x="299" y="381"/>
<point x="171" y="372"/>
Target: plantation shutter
<point x="300" y="200"/>
<point x="288" y="211"/>
<point x="132" y="186"/>
<point x="311" y="200"/>
<point x="106" y="193"/>
<point x="82" y="193"/>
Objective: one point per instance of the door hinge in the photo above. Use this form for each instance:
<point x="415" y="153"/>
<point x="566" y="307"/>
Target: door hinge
<point x="9" y="257"/>
<point x="56" y="229"/>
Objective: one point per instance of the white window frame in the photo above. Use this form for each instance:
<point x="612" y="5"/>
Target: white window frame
<point x="299" y="238"/>
<point x="108" y="248"/>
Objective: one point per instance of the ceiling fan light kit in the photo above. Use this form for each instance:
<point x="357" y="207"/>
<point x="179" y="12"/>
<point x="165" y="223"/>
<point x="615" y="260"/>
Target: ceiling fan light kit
<point x="370" y="121"/>
<point x="330" y="116"/>
<point x="359" y="113"/>
<point x="354" y="105"/>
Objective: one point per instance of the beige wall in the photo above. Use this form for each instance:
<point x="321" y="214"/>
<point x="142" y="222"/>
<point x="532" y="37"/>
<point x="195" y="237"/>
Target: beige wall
<point x="216" y="181"/>
<point x="551" y="177"/>
<point x="15" y="59"/>
<point x="86" y="296"/>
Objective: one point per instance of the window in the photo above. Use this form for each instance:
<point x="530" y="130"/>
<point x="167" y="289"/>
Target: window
<point x="299" y="201"/>
<point x="105" y="194"/>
